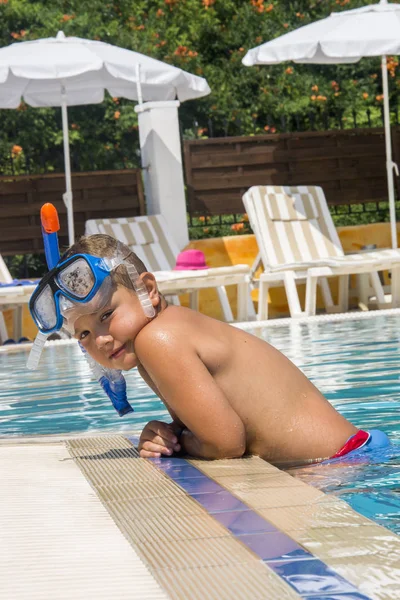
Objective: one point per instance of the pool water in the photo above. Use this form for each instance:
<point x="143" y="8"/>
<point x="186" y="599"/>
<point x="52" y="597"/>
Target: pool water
<point x="355" y="364"/>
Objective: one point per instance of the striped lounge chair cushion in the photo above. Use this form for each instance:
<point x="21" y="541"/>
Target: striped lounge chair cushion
<point x="144" y="235"/>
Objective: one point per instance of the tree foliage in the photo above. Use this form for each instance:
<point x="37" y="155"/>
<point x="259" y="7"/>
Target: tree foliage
<point x="206" y="37"/>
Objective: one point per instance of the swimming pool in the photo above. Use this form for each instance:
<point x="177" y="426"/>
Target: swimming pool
<point x="354" y="362"/>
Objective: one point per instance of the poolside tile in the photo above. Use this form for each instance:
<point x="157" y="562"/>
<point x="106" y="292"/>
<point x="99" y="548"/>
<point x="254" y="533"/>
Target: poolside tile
<point x="189" y="554"/>
<point x="139" y="489"/>
<point x="225" y="582"/>
<point x="338" y="543"/>
<point x="278" y="497"/>
<point x="173" y="528"/>
<point x="235" y="466"/>
<point x="220" y="501"/>
<point x="375" y="575"/>
<point x="160" y="507"/>
<point x="242" y="522"/>
<point x="187" y="471"/>
<point x="327" y="513"/>
<point x="199" y="486"/>
<point x="166" y="462"/>
<point x="350" y="596"/>
<point x="311" y="577"/>
<point x="274" y="546"/>
<point x="259" y="481"/>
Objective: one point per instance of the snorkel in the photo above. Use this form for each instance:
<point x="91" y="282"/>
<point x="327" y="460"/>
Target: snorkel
<point x="50" y="226"/>
<point x="111" y="380"/>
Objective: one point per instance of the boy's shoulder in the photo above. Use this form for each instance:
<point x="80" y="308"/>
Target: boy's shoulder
<point x="175" y="329"/>
<point x="172" y="322"/>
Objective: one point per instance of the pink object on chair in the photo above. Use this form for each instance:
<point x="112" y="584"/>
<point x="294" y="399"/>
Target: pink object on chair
<point x="190" y="260"/>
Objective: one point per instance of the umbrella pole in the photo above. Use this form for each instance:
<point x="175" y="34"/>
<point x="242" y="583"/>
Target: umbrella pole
<point x="390" y="165"/>
<point x="139" y="85"/>
<point x="67" y="197"/>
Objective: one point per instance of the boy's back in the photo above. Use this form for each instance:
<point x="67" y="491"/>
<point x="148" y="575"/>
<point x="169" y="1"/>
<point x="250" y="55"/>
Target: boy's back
<point x="229" y="387"/>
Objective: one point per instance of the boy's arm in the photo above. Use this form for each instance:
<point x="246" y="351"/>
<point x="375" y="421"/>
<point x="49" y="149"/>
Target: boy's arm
<point x="215" y="429"/>
<point x="176" y="423"/>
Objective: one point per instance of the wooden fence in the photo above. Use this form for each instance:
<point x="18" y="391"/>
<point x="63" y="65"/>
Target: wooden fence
<point x="349" y="165"/>
<point x="96" y="195"/>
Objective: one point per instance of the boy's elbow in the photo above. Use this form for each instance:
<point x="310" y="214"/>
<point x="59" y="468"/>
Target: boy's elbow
<point x="231" y="450"/>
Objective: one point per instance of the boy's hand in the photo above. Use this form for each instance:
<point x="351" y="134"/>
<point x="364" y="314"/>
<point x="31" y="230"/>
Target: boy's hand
<point x="158" y="438"/>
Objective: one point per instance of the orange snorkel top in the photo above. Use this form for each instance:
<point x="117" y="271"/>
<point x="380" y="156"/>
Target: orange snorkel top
<point x="49" y="218"/>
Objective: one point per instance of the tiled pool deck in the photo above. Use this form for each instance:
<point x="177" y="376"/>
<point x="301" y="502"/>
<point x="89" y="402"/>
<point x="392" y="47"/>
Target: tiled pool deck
<point x="87" y="518"/>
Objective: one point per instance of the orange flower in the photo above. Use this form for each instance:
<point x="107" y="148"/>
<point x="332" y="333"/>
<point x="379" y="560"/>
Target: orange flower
<point x="202" y="219"/>
<point x="245" y="218"/>
<point x="365" y="95"/>
<point x="140" y="27"/>
<point x="160" y="13"/>
<point x="23" y="32"/>
<point x="201" y="130"/>
<point x="16" y="150"/>
<point x="269" y="8"/>
<point x="314" y="88"/>
<point x="14" y="35"/>
<point x="237" y="226"/>
<point x="208" y="3"/>
<point x="286" y="25"/>
<point x="258" y="39"/>
<point x="74" y="126"/>
<point x="313" y="97"/>
<point x="66" y="18"/>
<point x="116" y="100"/>
<point x="379" y="98"/>
<point x="241" y="49"/>
<point x="181" y="51"/>
<point x="117" y="114"/>
<point x="289" y="71"/>
<point x="273" y="129"/>
<point x="206" y="229"/>
<point x="266" y="128"/>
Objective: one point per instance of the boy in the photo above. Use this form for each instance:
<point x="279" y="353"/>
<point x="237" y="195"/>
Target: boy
<point x="228" y="392"/>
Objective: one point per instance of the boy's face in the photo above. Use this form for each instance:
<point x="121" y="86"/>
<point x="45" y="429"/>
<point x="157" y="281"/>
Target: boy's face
<point x="109" y="334"/>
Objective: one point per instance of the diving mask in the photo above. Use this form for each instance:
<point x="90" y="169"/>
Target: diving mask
<point x="81" y="284"/>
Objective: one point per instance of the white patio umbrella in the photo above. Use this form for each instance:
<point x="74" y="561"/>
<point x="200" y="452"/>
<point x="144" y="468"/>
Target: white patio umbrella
<point x="69" y="71"/>
<point x="344" y="37"/>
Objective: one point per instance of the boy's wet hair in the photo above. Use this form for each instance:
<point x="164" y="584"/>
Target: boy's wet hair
<point x="105" y="246"/>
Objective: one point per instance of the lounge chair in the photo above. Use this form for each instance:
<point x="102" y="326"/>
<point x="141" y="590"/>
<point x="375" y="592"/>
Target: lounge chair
<point x="13" y="295"/>
<point x="148" y="237"/>
<point x="298" y="243"/>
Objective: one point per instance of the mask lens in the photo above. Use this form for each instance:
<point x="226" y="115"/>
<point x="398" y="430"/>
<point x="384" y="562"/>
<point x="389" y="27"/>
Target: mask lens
<point x="77" y="279"/>
<point x="45" y="309"/>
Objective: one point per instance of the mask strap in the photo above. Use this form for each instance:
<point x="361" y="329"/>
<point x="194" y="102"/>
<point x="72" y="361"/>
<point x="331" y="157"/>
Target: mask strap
<point x="138" y="284"/>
